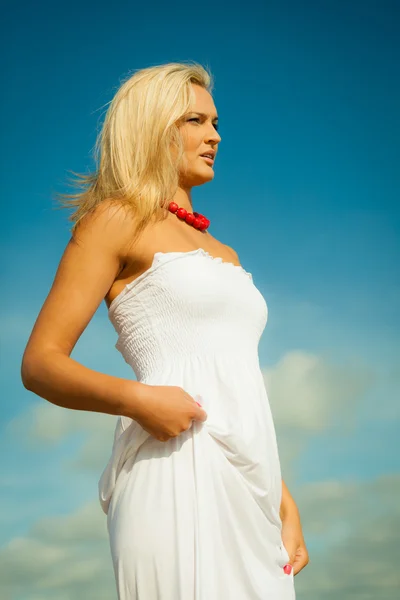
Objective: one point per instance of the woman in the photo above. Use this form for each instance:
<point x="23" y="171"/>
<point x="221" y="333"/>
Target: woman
<point x="196" y="508"/>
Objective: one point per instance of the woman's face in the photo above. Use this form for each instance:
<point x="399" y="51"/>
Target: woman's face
<point x="199" y="133"/>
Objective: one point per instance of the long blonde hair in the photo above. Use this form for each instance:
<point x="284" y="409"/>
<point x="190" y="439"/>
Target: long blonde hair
<point x="134" y="162"/>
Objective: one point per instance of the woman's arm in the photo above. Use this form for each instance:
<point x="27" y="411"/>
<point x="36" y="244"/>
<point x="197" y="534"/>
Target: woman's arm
<point x="87" y="270"/>
<point x="292" y="533"/>
<point x="288" y="505"/>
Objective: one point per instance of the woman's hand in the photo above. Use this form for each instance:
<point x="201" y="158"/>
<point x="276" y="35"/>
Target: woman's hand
<point x="165" y="411"/>
<point x="293" y="540"/>
<point x="292" y="534"/>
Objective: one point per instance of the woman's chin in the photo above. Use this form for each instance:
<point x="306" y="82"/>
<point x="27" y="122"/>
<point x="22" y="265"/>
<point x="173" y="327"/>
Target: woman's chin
<point x="198" y="178"/>
<point x="206" y="179"/>
<point x="206" y="174"/>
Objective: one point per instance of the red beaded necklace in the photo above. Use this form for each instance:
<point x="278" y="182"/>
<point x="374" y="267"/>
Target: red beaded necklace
<point x="195" y="219"/>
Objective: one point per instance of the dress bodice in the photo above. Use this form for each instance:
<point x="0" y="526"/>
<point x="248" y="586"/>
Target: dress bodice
<point x="187" y="304"/>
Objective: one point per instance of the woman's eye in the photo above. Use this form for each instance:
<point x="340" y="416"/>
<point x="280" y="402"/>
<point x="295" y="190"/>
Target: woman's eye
<point x="198" y="121"/>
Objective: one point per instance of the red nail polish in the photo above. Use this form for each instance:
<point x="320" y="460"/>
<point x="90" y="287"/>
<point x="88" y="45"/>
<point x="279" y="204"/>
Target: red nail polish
<point x="288" y="569"/>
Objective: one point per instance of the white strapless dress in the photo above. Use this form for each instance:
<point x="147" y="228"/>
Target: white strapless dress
<point x="196" y="517"/>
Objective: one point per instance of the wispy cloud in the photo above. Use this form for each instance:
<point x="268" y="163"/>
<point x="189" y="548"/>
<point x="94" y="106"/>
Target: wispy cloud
<point x="60" y="557"/>
<point x="309" y="395"/>
<point x="354" y="526"/>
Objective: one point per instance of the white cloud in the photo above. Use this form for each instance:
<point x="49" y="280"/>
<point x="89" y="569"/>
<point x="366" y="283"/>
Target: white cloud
<point x="354" y="529"/>
<point x="60" y="557"/>
<point x="309" y="393"/>
<point x="44" y="423"/>
<point x="85" y="524"/>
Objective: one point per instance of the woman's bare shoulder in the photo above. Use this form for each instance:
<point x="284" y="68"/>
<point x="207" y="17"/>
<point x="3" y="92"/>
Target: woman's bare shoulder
<point x="111" y="218"/>
<point x="233" y="254"/>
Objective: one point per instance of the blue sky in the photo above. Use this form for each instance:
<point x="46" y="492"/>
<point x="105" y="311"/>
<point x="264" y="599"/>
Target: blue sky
<point x="306" y="190"/>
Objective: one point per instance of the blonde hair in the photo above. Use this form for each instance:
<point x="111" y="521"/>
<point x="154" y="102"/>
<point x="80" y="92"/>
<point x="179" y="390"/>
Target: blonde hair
<point x="134" y="162"/>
